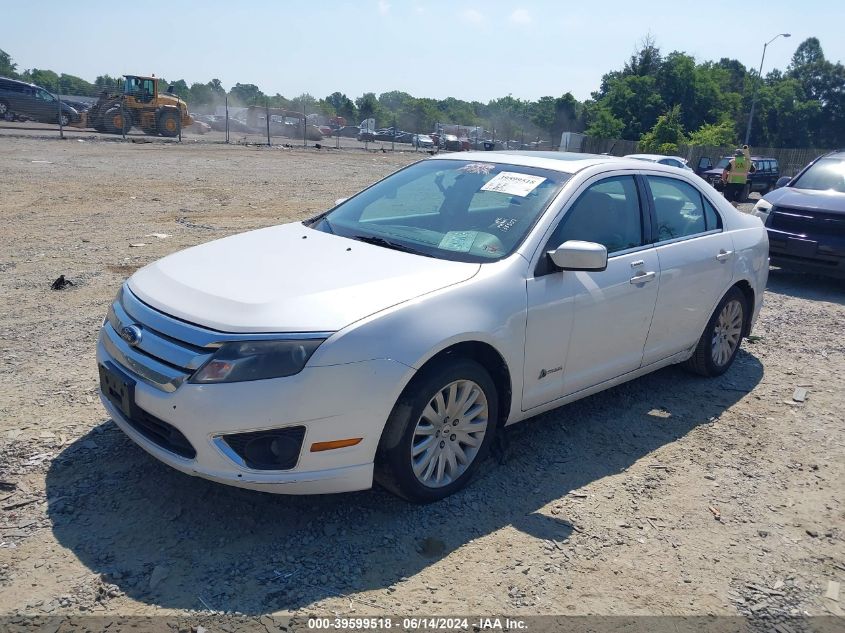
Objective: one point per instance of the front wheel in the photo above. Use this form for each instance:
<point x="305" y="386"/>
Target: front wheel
<point x="4" y="108"/>
<point x="63" y="119"/>
<point x="117" y="120"/>
<point x="718" y="346"/>
<point x="168" y="123"/>
<point x="439" y="431"/>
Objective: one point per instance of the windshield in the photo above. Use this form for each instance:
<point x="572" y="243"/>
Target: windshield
<point x="722" y="163"/>
<point x="450" y="209"/>
<point x="825" y="174"/>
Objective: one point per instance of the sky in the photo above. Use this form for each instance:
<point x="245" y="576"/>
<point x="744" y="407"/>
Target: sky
<point x="467" y="49"/>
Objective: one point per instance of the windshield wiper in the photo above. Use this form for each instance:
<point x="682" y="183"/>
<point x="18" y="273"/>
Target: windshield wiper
<point x="380" y="241"/>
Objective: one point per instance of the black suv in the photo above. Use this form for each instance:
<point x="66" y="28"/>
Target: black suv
<point x="32" y="102"/>
<point x="763" y="178"/>
<point x="805" y="218"/>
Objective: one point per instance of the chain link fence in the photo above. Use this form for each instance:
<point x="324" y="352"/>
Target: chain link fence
<point x="138" y="107"/>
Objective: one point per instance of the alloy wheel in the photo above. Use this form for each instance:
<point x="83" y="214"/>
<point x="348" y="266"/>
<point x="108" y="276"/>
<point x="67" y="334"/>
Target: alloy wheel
<point x="449" y="433"/>
<point x="727" y="333"/>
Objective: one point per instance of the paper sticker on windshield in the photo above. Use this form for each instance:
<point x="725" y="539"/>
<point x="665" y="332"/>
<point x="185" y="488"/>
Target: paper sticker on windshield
<point x="477" y="168"/>
<point x="460" y="241"/>
<point x="513" y="184"/>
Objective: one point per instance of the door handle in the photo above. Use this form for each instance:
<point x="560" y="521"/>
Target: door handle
<point x="643" y="277"/>
<point x="724" y="255"/>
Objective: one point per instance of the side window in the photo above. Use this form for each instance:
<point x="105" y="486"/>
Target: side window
<point x="712" y="219"/>
<point x="775" y="167"/>
<point x="608" y="213"/>
<point x="678" y="208"/>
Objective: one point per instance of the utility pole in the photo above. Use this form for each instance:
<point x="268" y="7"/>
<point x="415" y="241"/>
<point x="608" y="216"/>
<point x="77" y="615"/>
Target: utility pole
<point x="757" y="83"/>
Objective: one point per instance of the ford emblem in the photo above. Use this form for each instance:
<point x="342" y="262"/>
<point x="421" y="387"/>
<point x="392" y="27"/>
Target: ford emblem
<point x="131" y="334"/>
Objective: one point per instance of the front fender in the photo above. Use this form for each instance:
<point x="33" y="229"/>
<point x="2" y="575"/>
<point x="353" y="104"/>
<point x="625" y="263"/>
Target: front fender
<point x="488" y="308"/>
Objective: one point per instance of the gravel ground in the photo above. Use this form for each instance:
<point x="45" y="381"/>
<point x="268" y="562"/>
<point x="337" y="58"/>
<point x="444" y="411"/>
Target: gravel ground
<point x="669" y="495"/>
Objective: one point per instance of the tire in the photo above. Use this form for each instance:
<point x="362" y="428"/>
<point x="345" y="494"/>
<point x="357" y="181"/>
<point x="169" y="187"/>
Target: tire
<point x="4" y="108"/>
<point x="718" y="346"/>
<point x="117" y="121"/>
<point x="424" y="410"/>
<point x="63" y="119"/>
<point x="168" y="123"/>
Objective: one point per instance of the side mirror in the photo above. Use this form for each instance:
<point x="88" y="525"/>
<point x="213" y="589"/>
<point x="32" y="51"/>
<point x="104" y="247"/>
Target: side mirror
<point x="578" y="255"/>
<point x="340" y="201"/>
<point x="782" y="181"/>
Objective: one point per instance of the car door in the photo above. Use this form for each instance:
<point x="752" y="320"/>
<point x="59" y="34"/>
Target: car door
<point x="587" y="327"/>
<point x="45" y="106"/>
<point x="695" y="258"/>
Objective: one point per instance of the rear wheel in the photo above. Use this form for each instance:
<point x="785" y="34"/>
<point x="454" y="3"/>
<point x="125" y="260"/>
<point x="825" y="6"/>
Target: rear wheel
<point x="439" y="431"/>
<point x="4" y="108"/>
<point x="168" y="123"/>
<point x="718" y="346"/>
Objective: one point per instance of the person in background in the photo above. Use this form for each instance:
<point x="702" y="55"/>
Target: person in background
<point x="735" y="175"/>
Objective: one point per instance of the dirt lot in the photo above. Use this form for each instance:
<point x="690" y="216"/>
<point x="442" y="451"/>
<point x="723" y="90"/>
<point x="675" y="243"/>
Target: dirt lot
<point x="668" y="495"/>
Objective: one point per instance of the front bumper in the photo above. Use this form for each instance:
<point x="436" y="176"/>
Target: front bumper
<point x="335" y="402"/>
<point x="805" y="253"/>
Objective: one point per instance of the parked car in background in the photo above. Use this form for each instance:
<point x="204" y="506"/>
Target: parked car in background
<point x="422" y="141"/>
<point x="18" y="97"/>
<point x="450" y="142"/>
<point x="805" y="218"/>
<point x="763" y="178"/>
<point x="348" y="131"/>
<point x="528" y="281"/>
<point x="671" y="161"/>
<point x="366" y="135"/>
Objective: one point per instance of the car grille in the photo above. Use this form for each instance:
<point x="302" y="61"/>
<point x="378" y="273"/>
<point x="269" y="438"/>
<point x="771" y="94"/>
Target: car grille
<point x="805" y="222"/>
<point x="169" y="351"/>
<point x="161" y="433"/>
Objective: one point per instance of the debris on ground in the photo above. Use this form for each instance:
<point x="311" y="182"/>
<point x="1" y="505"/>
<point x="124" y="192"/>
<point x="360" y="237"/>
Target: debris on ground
<point x="61" y="283"/>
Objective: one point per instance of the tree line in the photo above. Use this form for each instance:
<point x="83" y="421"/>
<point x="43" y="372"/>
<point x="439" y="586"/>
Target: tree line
<point x="656" y="99"/>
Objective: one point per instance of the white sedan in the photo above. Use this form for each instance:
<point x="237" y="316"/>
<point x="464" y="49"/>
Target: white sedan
<point x="671" y="161"/>
<point x="391" y="338"/>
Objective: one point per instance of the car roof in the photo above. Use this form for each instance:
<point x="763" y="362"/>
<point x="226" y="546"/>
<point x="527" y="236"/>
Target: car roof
<point x="18" y="81"/>
<point x="754" y="157"/>
<point x="566" y="162"/>
<point x="839" y="153"/>
<point x="647" y="156"/>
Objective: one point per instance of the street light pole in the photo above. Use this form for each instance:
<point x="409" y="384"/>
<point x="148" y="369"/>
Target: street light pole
<point x="759" y="79"/>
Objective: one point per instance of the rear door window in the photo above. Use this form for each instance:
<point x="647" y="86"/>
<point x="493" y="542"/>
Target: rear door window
<point x="678" y="208"/>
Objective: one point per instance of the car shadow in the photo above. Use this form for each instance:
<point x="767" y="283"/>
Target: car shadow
<point x="179" y="542"/>
<point x="806" y="286"/>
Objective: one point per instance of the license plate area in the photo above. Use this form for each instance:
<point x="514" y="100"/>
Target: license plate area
<point x="801" y="248"/>
<point x="118" y="388"/>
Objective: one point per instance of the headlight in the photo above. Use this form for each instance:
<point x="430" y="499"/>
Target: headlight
<point x="256" y="360"/>
<point x="762" y="209"/>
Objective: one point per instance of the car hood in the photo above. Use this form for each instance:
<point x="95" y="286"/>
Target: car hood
<point x="810" y="199"/>
<point x="288" y="278"/>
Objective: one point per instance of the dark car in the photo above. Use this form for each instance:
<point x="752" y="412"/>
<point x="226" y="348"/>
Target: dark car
<point x="805" y="218"/>
<point x="347" y="131"/>
<point x="33" y="102"/>
<point x="366" y="135"/>
<point x="763" y="178"/>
